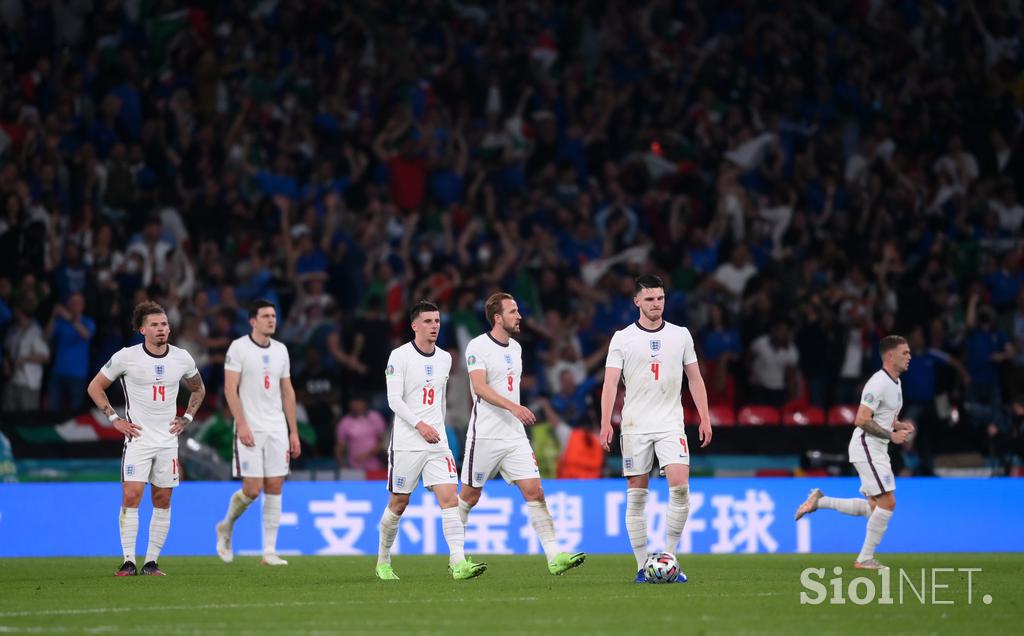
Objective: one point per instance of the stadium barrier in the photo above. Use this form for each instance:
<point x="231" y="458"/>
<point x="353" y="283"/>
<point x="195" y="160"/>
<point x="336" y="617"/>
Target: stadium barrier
<point x="330" y="518"/>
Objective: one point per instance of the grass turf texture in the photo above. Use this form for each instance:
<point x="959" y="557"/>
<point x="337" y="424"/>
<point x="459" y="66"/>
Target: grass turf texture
<point x="726" y="594"/>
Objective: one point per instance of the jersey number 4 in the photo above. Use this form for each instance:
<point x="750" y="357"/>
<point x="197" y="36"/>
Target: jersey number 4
<point x="428" y="395"/>
<point x="656" y="370"/>
<point x="159" y="393"/>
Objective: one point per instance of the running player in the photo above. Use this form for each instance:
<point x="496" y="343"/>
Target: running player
<point x="417" y="379"/>
<point x="876" y="422"/>
<point x="496" y="440"/>
<point x="150" y="373"/>
<point x="259" y="392"/>
<point x="650" y="356"/>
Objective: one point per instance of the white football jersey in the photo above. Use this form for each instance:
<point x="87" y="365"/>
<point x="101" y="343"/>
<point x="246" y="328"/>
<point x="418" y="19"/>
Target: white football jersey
<point x="150" y="385"/>
<point x="884" y="396"/>
<point x="421" y="381"/>
<point x="259" y="388"/>
<point x="504" y="366"/>
<point x="652" y="369"/>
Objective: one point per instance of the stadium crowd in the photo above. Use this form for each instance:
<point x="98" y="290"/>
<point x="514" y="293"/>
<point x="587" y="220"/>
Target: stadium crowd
<point x="808" y="177"/>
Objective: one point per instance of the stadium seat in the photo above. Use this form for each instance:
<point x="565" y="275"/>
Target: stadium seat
<point x="842" y="415"/>
<point x="722" y="415"/>
<point x="758" y="415"/>
<point x="795" y="415"/>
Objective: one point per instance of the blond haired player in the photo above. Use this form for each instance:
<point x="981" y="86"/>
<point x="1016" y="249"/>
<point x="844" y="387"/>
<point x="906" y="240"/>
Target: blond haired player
<point x="880" y="405"/>
<point x="150" y="374"/>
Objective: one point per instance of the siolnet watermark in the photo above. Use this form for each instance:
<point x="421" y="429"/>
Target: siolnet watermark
<point x="927" y="586"/>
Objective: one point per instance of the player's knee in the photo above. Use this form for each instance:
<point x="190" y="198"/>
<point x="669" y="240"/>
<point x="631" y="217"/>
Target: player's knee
<point x="131" y="500"/>
<point x="251" y="491"/>
<point x="470" y="495"/>
<point x="398" y="503"/>
<point x="534" y="494"/>
<point x="679" y="495"/>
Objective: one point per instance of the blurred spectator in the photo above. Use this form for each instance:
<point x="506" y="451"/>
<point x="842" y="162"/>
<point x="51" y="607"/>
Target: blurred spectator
<point x="317" y="389"/>
<point x="25" y="353"/>
<point x="774" y="360"/>
<point x="360" y="437"/>
<point x="71" y="333"/>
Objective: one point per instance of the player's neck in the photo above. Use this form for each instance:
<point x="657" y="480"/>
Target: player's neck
<point x="155" y="349"/>
<point x="650" y="325"/>
<point x="423" y="346"/>
<point x="500" y="335"/>
<point x="893" y="373"/>
<point x="260" y="339"/>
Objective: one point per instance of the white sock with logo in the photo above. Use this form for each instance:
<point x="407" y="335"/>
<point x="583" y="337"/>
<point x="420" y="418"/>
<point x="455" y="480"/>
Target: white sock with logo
<point x="678" y="511"/>
<point x="544" y="526"/>
<point x="388" y="532"/>
<point x="636" y="523"/>
<point x="271" y="522"/>
<point x="877" y="523"/>
<point x="855" y="507"/>
<point x="454" y="533"/>
<point x="128" y="521"/>
<point x="159" y="526"/>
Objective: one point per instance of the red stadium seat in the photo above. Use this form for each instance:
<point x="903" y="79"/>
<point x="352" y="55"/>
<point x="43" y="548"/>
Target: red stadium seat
<point x="842" y="415"/>
<point x="758" y="415"/>
<point x="721" y="415"/>
<point x="795" y="415"/>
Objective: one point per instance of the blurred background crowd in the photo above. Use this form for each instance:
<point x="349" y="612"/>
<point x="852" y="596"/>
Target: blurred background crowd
<point x="806" y="176"/>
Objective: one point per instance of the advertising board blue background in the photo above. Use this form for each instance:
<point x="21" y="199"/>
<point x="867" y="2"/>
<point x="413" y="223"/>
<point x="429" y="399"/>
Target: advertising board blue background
<point x="726" y="516"/>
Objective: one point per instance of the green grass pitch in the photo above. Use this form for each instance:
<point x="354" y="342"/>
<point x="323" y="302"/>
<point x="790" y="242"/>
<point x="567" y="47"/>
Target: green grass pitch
<point x="323" y="595"/>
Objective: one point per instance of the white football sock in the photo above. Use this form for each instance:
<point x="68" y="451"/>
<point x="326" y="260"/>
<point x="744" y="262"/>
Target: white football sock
<point x="271" y="522"/>
<point x="855" y="507"/>
<point x="543" y="525"/>
<point x="388" y="532"/>
<point x="877" y="523"/>
<point x="636" y="523"/>
<point x="128" y="521"/>
<point x="159" y="524"/>
<point x="454" y="533"/>
<point x="464" y="509"/>
<point x="238" y="504"/>
<point x="678" y="511"/>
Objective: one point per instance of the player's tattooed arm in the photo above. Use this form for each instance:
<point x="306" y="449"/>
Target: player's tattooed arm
<point x="872" y="428"/>
<point x="198" y="389"/>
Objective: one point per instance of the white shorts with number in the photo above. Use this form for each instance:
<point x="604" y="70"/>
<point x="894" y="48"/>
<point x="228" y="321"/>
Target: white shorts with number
<point x="485" y="458"/>
<point x="875" y="476"/>
<point x="406" y="467"/>
<point x="158" y="466"/>
<point x="639" y="450"/>
<point x="269" y="457"/>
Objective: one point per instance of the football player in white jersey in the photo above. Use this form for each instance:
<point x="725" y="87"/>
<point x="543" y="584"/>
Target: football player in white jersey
<point x="496" y="440"/>
<point x="877" y="425"/>
<point x="417" y="380"/>
<point x="150" y="374"/>
<point x="259" y="392"/>
<point x="650" y="356"/>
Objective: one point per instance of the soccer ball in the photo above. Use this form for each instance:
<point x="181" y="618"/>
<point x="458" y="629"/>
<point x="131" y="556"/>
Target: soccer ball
<point x="661" y="567"/>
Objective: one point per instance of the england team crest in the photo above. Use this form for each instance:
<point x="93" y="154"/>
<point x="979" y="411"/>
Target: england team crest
<point x="266" y="358"/>
<point x="159" y="370"/>
<point x="429" y="370"/>
<point x="508" y="358"/>
<point x="655" y="345"/>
